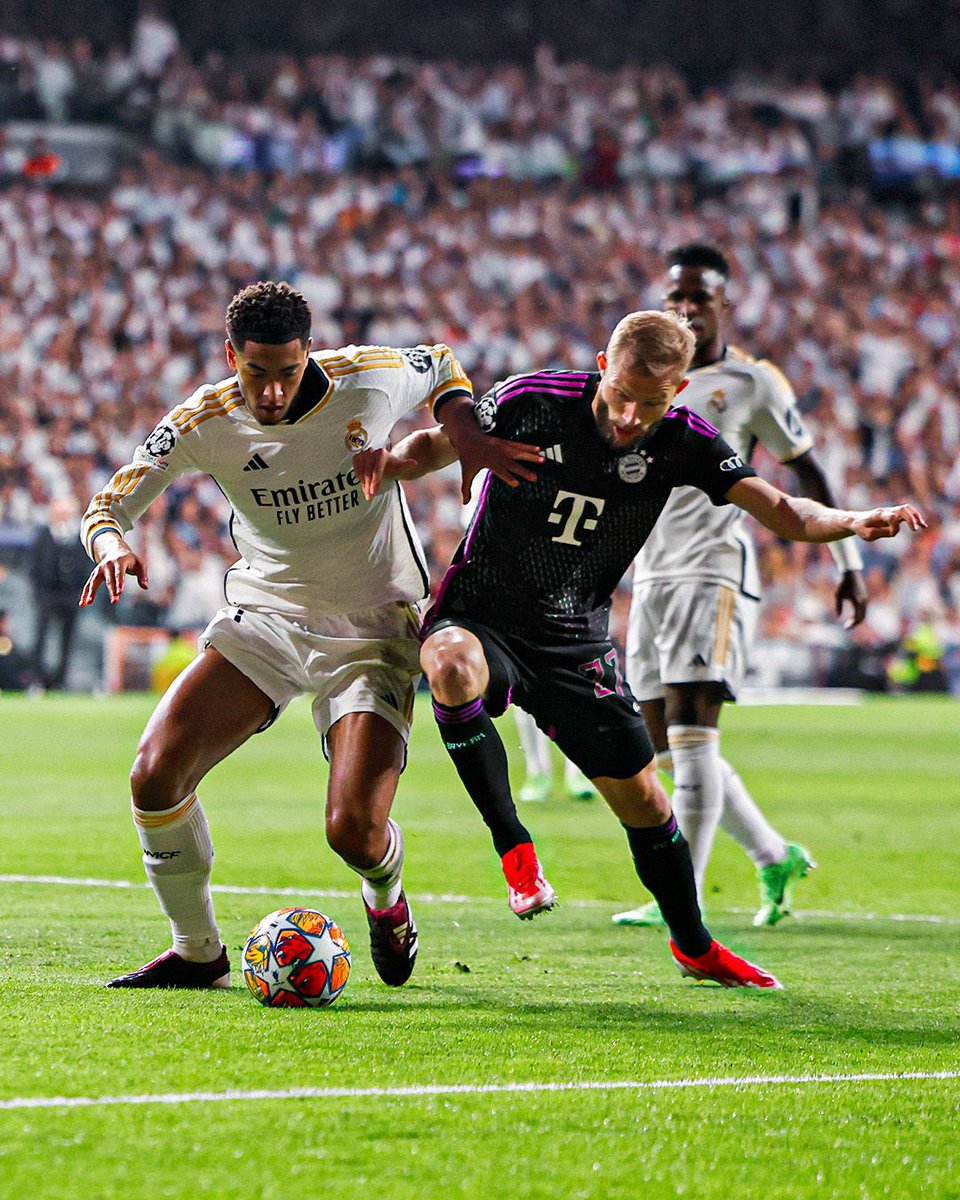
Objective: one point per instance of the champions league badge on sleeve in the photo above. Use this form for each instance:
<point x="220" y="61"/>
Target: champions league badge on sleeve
<point x="486" y="412"/>
<point x="157" y="446"/>
<point x="418" y="357"/>
<point x="632" y="468"/>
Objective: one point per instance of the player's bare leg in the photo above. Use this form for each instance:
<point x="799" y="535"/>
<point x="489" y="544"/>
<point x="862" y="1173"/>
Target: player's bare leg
<point x="210" y="710"/>
<point x="456" y="669"/>
<point x="366" y="758"/>
<point x="662" y="860"/>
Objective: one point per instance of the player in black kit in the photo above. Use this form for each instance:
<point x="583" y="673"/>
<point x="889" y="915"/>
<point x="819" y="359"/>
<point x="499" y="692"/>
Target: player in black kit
<point x="521" y="615"/>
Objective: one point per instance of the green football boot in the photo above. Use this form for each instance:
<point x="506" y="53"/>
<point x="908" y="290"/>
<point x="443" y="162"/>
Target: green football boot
<point x="648" y="916"/>
<point x="577" y="785"/>
<point x="777" y="882"/>
<point x="536" y="789"/>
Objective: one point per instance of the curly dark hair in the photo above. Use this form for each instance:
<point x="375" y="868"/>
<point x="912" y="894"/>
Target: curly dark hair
<point x="699" y="255"/>
<point x="270" y="313"/>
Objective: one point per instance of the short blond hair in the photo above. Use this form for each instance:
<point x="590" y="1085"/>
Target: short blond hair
<point x="659" y="343"/>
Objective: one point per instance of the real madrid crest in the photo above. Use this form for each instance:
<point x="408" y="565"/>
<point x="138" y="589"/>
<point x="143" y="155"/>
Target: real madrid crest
<point x="356" y="438"/>
<point x="718" y="401"/>
<point x="632" y="468"/>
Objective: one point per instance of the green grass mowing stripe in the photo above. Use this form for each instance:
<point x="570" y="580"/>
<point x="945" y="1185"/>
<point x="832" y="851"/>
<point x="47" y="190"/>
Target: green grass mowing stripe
<point x="469" y="1089"/>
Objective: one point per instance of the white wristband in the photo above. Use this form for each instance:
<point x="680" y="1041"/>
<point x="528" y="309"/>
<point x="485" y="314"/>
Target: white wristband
<point x="846" y="554"/>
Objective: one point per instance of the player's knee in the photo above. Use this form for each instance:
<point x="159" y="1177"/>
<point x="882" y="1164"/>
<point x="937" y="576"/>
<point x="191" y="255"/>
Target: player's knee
<point x="454" y="669"/>
<point x="650" y="793"/>
<point x="352" y="835"/>
<point x="158" y="779"/>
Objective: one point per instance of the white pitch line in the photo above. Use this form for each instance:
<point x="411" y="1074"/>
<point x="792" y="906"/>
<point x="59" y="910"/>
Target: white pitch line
<point x="452" y="898"/>
<point x="471" y="1089"/>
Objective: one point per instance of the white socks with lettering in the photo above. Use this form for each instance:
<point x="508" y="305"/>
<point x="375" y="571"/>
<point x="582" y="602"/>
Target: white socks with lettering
<point x="382" y="884"/>
<point x="178" y="859"/>
<point x="697" y="790"/>
<point x="739" y="815"/>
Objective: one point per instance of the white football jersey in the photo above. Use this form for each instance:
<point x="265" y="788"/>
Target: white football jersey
<point x="748" y="401"/>
<point x="309" y="542"/>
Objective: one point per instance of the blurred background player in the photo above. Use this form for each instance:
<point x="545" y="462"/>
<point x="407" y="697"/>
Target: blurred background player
<point x="537" y="750"/>
<point x="323" y="601"/>
<point x="696" y="591"/>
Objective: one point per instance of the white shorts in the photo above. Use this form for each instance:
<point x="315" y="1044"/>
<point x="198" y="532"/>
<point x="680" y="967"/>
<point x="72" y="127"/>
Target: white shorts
<point x="354" y="662"/>
<point x="688" y="632"/>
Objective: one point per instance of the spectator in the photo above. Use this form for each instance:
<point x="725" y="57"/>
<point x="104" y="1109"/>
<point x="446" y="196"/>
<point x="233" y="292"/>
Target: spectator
<point x="58" y="569"/>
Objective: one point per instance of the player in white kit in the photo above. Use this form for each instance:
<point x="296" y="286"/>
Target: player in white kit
<point x="696" y="592"/>
<point x="324" y="600"/>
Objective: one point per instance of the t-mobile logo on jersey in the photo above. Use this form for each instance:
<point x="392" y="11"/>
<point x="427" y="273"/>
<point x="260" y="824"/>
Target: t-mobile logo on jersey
<point x="570" y="510"/>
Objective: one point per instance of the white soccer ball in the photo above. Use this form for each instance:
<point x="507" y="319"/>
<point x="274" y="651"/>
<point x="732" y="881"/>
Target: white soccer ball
<point x="296" y="958"/>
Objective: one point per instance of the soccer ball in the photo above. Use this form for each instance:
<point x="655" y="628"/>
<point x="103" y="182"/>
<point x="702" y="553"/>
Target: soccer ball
<point x="296" y="958"/>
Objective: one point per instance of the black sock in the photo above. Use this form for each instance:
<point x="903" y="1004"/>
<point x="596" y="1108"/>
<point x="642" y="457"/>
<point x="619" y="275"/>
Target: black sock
<point x="662" y="858"/>
<point x="474" y="745"/>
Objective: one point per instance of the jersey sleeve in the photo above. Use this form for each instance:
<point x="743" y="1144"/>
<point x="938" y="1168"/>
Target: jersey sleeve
<point x="712" y="465"/>
<point x="775" y="420"/>
<point x="496" y="408"/>
<point x="156" y="463"/>
<point x="428" y="375"/>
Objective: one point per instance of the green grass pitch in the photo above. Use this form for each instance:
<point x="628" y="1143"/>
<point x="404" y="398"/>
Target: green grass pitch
<point x="543" y="1060"/>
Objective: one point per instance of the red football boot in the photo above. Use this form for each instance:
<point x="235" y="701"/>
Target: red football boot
<point x="528" y="892"/>
<point x="720" y="965"/>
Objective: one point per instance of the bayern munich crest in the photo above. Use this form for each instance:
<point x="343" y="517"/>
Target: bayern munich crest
<point x="632" y="468"/>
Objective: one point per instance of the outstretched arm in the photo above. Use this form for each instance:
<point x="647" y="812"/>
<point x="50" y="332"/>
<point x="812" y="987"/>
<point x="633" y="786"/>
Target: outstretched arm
<point x="427" y="450"/>
<point x="803" y="520"/>
<point x="418" y="454"/>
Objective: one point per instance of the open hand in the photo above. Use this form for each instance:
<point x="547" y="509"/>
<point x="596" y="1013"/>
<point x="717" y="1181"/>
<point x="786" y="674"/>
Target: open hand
<point x="111" y="570"/>
<point x="506" y="459"/>
<point x="886" y="522"/>
<point x="851" y="589"/>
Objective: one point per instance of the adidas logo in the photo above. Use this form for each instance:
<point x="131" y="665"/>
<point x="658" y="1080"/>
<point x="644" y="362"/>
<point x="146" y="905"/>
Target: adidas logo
<point x="698" y="661"/>
<point x="256" y="464"/>
<point x="554" y="453"/>
<point x="391" y="699"/>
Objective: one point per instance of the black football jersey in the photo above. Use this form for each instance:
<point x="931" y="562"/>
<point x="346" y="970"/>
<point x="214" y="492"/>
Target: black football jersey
<point x="542" y="560"/>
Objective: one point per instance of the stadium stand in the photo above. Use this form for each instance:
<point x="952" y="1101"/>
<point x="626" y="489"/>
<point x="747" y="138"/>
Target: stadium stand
<point x="514" y="212"/>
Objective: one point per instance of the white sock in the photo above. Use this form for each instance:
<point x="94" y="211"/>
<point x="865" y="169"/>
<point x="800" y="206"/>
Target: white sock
<point x="573" y="777"/>
<point x="746" y="824"/>
<point x="697" y="790"/>
<point x="534" y="743"/>
<point x="178" y="859"/>
<point x="382" y="885"/>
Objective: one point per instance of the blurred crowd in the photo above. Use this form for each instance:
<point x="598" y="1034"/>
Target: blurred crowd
<point x="516" y="214"/>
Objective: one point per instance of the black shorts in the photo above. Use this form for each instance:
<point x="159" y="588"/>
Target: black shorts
<point x="575" y="692"/>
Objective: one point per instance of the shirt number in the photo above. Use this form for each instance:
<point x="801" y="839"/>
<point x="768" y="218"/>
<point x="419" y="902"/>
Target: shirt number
<point x="598" y="669"/>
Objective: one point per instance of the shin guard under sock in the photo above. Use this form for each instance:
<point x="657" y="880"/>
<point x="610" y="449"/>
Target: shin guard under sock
<point x="178" y="859"/>
<point x="474" y="745"/>
<point x="662" y="859"/>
